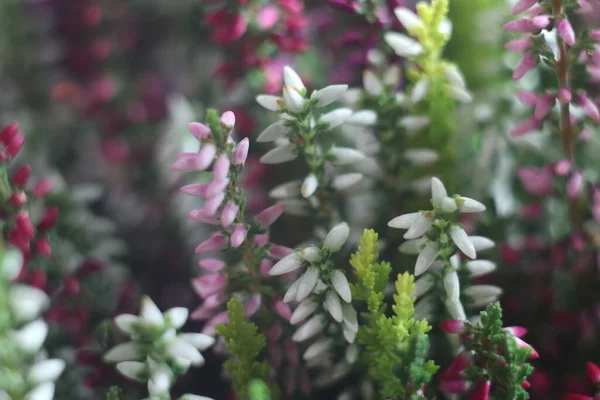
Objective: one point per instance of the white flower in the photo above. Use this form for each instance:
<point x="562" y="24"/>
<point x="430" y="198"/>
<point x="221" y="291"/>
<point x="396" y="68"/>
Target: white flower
<point x="455" y="309"/>
<point x="335" y="118"/>
<point x="292" y="79"/>
<point x="311" y="254"/>
<point x="419" y="91"/>
<point x="132" y="369"/>
<point x="150" y="313"/>
<point x="11" y="262"/>
<point x="462" y="95"/>
<point x="30" y="337"/>
<point x="272" y="103"/>
<point x="409" y="19"/>
<point x="285" y="190"/>
<point x="189" y="396"/>
<point x="198" y="340"/>
<point x="308" y="281"/>
<point x="279" y="155"/>
<point x="46" y="371"/>
<point x="421" y="157"/>
<point x="289" y="263"/>
<point x="480" y="267"/>
<point x="403" y="221"/>
<point x="333" y="305"/>
<point x="426" y="257"/>
<point x="363" y="117"/>
<point x="468" y="205"/>
<point x="180" y="348"/>
<point x="346" y="181"/>
<point x="419" y="226"/>
<point x="177" y="316"/>
<point x="413" y="246"/>
<point x="304" y="310"/>
<point x="371" y="83"/>
<point x="392" y="75"/>
<point x="312" y="327"/>
<point x="403" y="45"/>
<point x="414" y="123"/>
<point x="422" y="286"/>
<point x="438" y="192"/>
<point x="452" y="285"/>
<point x="346" y="155"/>
<point x="290" y="294"/>
<point x="341" y="286"/>
<point x="317" y="349"/>
<point x="128" y="351"/>
<point x="481" y="243"/>
<point x="454" y="76"/>
<point x="461" y="240"/>
<point x="309" y="186"/>
<point x="273" y="132"/>
<point x="293" y="100"/>
<point x="329" y="94"/>
<point x="336" y="237"/>
<point x="26" y="301"/>
<point x="45" y="391"/>
<point x="126" y="322"/>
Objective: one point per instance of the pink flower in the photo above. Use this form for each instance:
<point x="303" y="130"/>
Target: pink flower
<point x="575" y="184"/>
<point x="200" y="131"/>
<point x="211" y="264"/>
<point x="544" y="105"/>
<point x="229" y="213"/>
<point x="283" y="309"/>
<point x="210" y="284"/>
<point x="215" y="242"/>
<point x="228" y="120"/>
<point x="526" y="126"/>
<point x="209" y="306"/>
<point x="274" y="332"/>
<point x="522" y="6"/>
<point x="590" y="109"/>
<point x="518" y="45"/>
<point x="267" y="16"/>
<point x="252" y="305"/>
<point x="220" y="318"/>
<point x="565" y="31"/>
<point x="528" y="62"/>
<point x="269" y="215"/>
<point x="527" y="98"/>
<point x="564" y="95"/>
<point x="196" y="189"/>
<point x="537" y="181"/>
<point x="457" y="386"/>
<point x="481" y="391"/>
<point x="240" y="153"/>
<point x="238" y="235"/>
<point x="453" y="326"/>
<point x="221" y="167"/>
<point x="213" y="203"/>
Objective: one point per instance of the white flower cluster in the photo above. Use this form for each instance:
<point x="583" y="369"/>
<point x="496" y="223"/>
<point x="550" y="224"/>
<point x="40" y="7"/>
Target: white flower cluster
<point x="433" y="234"/>
<point x="298" y="132"/>
<point x="26" y="371"/>
<point x="324" y="298"/>
<point x="157" y="353"/>
<point x="409" y="47"/>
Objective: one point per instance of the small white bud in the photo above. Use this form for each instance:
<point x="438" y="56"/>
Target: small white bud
<point x="448" y="205"/>
<point x="177" y="316"/>
<point x="308" y="281"/>
<point x="293" y="100"/>
<point x="125" y="322"/>
<point x="304" y="310"/>
<point x="454" y="76"/>
<point x="409" y="19"/>
<point x="460" y="238"/>
<point x="198" y="340"/>
<point x="285" y="190"/>
<point x="462" y="95"/>
<point x="414" y="123"/>
<point x="481" y="243"/>
<point x="269" y="102"/>
<point x="309" y="186"/>
<point x="336" y="117"/>
<point x="483" y="291"/>
<point x="311" y="254"/>
<point x="279" y="155"/>
<point x="480" y="267"/>
<point x="350" y="317"/>
<point x="329" y="94"/>
<point x="455" y="309"/>
<point x="468" y="205"/>
<point x="312" y="327"/>
<point x="412" y="247"/>
<point x="421" y="157"/>
<point x="392" y="76"/>
<point x="371" y="83"/>
<point x="290" y="294"/>
<point x="333" y="305"/>
<point x="351" y="97"/>
<point x="11" y="263"/>
<point x="273" y="132"/>
<point x="349" y="334"/>
<point x="352" y="353"/>
<point x="45" y="391"/>
<point x="31" y="337"/>
<point x="292" y="79"/>
<point x="452" y="286"/>
<point x="336" y="237"/>
<point x="404" y="221"/>
<point x="426" y="257"/>
<point x="289" y="263"/>
<point x="363" y="117"/>
<point x="179" y="348"/>
<point x="123" y="352"/>
<point x="346" y="155"/>
<point x="419" y="91"/>
<point x="419" y="227"/>
<point x="317" y="349"/>
<point x="438" y="192"/>
<point x="131" y="369"/>
<point x="46" y="371"/>
<point x="422" y="286"/>
<point x="26" y="301"/>
<point x="403" y="45"/>
<point x="150" y="313"/>
<point x="346" y="181"/>
<point x="341" y="286"/>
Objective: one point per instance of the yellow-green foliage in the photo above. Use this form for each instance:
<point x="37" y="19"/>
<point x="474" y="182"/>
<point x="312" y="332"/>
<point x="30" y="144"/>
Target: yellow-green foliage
<point x="395" y="348"/>
<point x="245" y="346"/>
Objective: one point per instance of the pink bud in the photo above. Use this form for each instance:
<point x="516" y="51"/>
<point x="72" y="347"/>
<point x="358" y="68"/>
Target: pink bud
<point x="238" y="235"/>
<point x="277" y="251"/>
<point x="207" y="154"/>
<point x="215" y="242"/>
<point x="267" y="16"/>
<point x="453" y="326"/>
<point x="211" y="264"/>
<point x="274" y="333"/>
<point x="540" y="21"/>
<point x="590" y="109"/>
<point x="521" y="343"/>
<point x="229" y="213"/>
<point x="216" y="187"/>
<point x="481" y="391"/>
<point x="269" y="215"/>
<point x="212" y="204"/>
<point x="516" y="331"/>
<point x="562" y="168"/>
<point x="564" y="95"/>
<point x="43" y="247"/>
<point x="523" y="25"/>
<point x="240" y="153"/>
<point x="202" y="216"/>
<point x="594" y="71"/>
<point x="593" y="373"/>
<point x="210" y="284"/>
<point x="537" y="181"/>
<point x="574" y="185"/>
<point x="283" y="309"/>
<point x="457" y="386"/>
<point x="221" y="168"/>
<point x="220" y="318"/>
<point x="522" y="6"/>
<point x="200" y="131"/>
<point x="584" y="7"/>
<point x="595" y="34"/>
<point x="291" y="352"/>
<point x="275" y="355"/>
<point x="527" y="98"/>
<point x="262" y="239"/>
<point x="208" y="307"/>
<point x="196" y="189"/>
<point x="526" y="126"/>
<point x="42" y="188"/>
<point x="228" y="120"/>
<point x="565" y="31"/>
<point x="252" y="305"/>
<point x="528" y="62"/>
<point x="518" y="45"/>
<point x="265" y="267"/>
<point x="13" y="147"/>
<point x="24" y="224"/>
<point x="543" y="106"/>
<point x="459" y="364"/>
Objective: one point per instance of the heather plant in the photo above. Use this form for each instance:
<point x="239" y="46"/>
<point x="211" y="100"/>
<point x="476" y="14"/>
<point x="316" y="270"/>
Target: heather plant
<point x="336" y="258"/>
